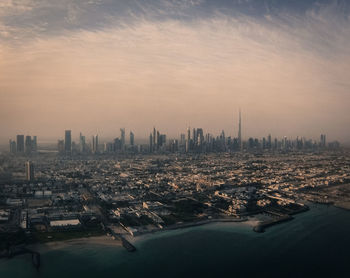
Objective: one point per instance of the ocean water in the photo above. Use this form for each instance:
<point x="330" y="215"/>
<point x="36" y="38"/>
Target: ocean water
<point x="315" y="244"/>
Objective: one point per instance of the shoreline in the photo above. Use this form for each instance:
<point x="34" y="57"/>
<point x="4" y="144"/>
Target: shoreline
<point x="251" y="222"/>
<point x="105" y="240"/>
<point x="102" y="240"/>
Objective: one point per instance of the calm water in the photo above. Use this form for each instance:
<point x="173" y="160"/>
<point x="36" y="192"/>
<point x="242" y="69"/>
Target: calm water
<point x="315" y="244"/>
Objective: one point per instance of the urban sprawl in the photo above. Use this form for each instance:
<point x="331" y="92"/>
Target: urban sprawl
<point x="123" y="189"/>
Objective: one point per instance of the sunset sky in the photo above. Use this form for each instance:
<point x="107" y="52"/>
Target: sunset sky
<point x="98" y="65"/>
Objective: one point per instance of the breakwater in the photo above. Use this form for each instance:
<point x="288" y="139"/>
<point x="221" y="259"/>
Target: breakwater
<point x="279" y="218"/>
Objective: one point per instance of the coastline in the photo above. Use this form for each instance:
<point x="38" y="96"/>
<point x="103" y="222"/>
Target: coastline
<point x="235" y="245"/>
<point x="56" y="245"/>
<point x="105" y="240"/>
<point x="250" y="222"/>
<point x="256" y="222"/>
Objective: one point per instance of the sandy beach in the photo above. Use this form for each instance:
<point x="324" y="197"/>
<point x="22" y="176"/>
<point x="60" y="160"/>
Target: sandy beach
<point x="250" y="221"/>
<point x="109" y="241"/>
<point x="56" y="245"/>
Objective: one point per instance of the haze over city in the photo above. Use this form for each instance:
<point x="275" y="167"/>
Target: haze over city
<point x="174" y="138"/>
<point x="97" y="66"/>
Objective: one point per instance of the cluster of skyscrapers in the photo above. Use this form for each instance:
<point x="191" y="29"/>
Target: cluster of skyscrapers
<point x="67" y="146"/>
<point x="23" y="145"/>
<point x="193" y="141"/>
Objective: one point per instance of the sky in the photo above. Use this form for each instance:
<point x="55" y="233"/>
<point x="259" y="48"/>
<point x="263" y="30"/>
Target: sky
<point x="95" y="66"/>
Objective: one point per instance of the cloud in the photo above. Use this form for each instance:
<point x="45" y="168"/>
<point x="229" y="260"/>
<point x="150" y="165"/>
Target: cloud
<point x="289" y="73"/>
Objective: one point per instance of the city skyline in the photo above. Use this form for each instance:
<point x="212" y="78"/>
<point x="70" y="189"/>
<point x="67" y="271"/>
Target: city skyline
<point x="160" y="138"/>
<point x="235" y="131"/>
<point x="197" y="141"/>
<point x="103" y="64"/>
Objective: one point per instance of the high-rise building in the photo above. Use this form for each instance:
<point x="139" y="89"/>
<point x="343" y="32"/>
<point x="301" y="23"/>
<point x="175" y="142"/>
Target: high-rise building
<point x="269" y="142"/>
<point x="158" y="142"/>
<point x="117" y="145"/>
<point x="28" y="145"/>
<point x="34" y="144"/>
<point x="29" y="167"/>
<point x="194" y="136"/>
<point x="200" y="136"/>
<point x="151" y="142"/>
<point x="240" y="131"/>
<point x="94" y="144"/>
<point x="154" y="138"/>
<point x="68" y="141"/>
<point x="132" y="138"/>
<point x="182" y="139"/>
<point x="60" y="146"/>
<point x="82" y="143"/>
<point x="161" y="140"/>
<point x="323" y="140"/>
<point x="122" y="137"/>
<point x="188" y="141"/>
<point x="13" y="146"/>
<point x="20" y="143"/>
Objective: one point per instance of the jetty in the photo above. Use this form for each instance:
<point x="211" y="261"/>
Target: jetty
<point x="126" y="244"/>
<point x="279" y="218"/>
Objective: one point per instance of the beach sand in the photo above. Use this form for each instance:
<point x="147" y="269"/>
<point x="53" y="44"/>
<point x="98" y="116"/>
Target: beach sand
<point x="56" y="245"/>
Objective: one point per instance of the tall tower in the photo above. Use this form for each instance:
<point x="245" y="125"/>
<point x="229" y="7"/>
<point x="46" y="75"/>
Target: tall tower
<point x="13" y="146"/>
<point x="20" y="143"/>
<point x="132" y="138"/>
<point x="34" y="144"/>
<point x="188" y="141"/>
<point x="122" y="137"/>
<point x="28" y="144"/>
<point x="29" y="171"/>
<point x="151" y="143"/>
<point x="95" y="144"/>
<point x="154" y="137"/>
<point x="82" y="143"/>
<point x="68" y="141"/>
<point x="240" y="131"/>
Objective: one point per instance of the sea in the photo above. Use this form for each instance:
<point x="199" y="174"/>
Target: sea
<point x="314" y="244"/>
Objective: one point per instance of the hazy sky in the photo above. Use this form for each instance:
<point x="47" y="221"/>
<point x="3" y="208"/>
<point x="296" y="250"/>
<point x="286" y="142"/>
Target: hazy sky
<point x="98" y="65"/>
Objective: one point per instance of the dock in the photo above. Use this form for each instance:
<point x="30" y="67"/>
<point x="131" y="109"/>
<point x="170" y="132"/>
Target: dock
<point x="126" y="244"/>
<point x="260" y="228"/>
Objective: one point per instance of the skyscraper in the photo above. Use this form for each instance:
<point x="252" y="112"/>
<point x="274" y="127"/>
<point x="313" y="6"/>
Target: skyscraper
<point x="200" y="136"/>
<point x="323" y="140"/>
<point x="60" y="146"/>
<point x="188" y="141"/>
<point x="29" y="167"/>
<point x="158" y="142"/>
<point x="82" y="143"/>
<point x="95" y="144"/>
<point x="28" y="145"/>
<point x="182" y="139"/>
<point x="132" y="138"/>
<point x="68" y="141"/>
<point x="194" y="136"/>
<point x="122" y="137"/>
<point x="150" y="143"/>
<point x="20" y="143"/>
<point x="34" y="144"/>
<point x="240" y="131"/>
<point x="13" y="146"/>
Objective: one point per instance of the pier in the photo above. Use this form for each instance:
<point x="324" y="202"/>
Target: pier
<point x="126" y="244"/>
<point x="260" y="228"/>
